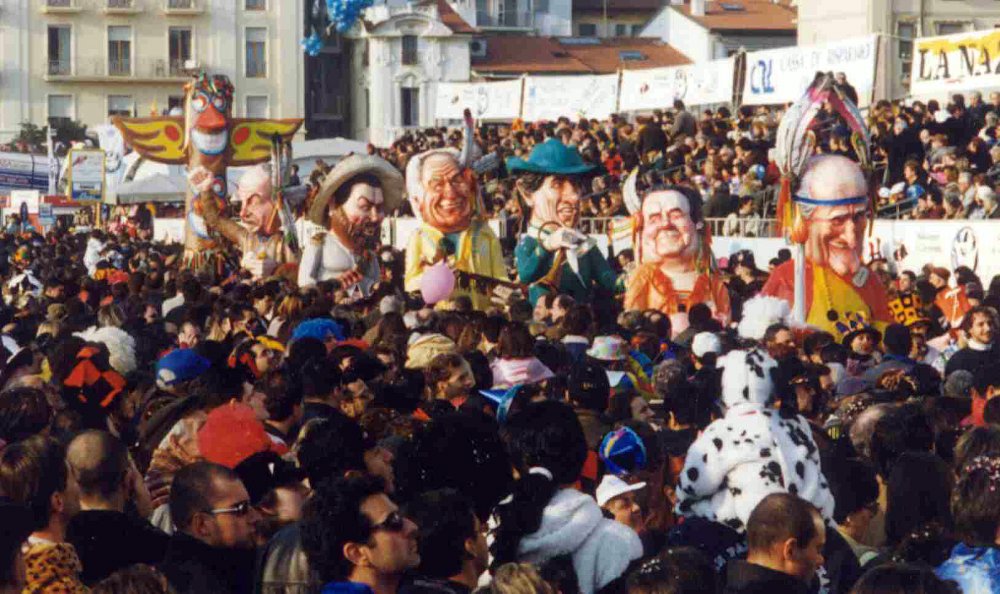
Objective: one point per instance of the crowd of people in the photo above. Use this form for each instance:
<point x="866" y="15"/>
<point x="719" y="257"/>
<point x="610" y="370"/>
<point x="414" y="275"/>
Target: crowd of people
<point x="171" y="430"/>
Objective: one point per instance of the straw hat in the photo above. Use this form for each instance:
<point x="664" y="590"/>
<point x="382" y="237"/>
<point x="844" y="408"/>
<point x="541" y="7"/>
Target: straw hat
<point x="390" y="178"/>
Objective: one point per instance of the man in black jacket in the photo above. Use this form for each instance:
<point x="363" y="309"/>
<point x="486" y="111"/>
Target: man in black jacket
<point x="786" y="536"/>
<point x="213" y="549"/>
<point x="105" y="536"/>
<point x="980" y="328"/>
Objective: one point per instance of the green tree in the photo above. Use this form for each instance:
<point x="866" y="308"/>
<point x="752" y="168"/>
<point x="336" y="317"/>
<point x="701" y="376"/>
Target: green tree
<point x="31" y="137"/>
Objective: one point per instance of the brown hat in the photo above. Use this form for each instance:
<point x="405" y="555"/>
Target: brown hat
<point x="354" y="165"/>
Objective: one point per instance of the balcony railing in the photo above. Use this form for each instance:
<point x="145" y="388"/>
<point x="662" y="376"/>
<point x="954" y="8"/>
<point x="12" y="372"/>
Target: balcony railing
<point x="60" y="67"/>
<point x="183" y="7"/>
<point x="59" y="3"/>
<point x="101" y="70"/>
<point x="180" y="4"/>
<point x="519" y="19"/>
<point x="60" y="6"/>
<point x="120" y="3"/>
<point x="177" y="67"/>
<point x="120" y="67"/>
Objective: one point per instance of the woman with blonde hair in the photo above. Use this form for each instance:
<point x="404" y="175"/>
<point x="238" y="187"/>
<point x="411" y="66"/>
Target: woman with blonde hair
<point x="286" y="315"/>
<point x="518" y="578"/>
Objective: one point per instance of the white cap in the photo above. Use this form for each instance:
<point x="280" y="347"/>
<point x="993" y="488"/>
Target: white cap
<point x="883" y="192"/>
<point x="611" y="486"/>
<point x="704" y="343"/>
<point x="898" y="188"/>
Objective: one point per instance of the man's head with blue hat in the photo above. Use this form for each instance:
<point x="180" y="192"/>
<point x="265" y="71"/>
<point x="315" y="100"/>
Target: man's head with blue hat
<point x="622" y="452"/>
<point x="550" y="181"/>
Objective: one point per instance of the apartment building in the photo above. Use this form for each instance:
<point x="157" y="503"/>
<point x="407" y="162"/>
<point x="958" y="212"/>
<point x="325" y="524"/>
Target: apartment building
<point x="87" y="60"/>
<point x="900" y="21"/>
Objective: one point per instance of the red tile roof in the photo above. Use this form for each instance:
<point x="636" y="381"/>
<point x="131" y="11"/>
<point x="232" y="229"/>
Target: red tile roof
<point x="550" y="55"/>
<point x="756" y="15"/>
<point x="450" y="18"/>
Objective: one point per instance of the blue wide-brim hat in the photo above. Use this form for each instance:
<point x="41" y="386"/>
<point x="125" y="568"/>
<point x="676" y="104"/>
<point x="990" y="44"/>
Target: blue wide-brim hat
<point x="552" y="157"/>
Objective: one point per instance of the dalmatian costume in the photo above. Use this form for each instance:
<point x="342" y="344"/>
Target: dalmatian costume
<point x="751" y="452"/>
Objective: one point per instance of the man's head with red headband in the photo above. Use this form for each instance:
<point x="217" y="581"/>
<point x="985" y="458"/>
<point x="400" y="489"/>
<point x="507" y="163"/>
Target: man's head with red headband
<point x="833" y="204"/>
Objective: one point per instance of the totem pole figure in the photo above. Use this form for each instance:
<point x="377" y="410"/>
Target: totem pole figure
<point x="207" y="136"/>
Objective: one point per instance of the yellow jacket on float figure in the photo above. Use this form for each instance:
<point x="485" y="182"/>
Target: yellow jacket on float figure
<point x="477" y="251"/>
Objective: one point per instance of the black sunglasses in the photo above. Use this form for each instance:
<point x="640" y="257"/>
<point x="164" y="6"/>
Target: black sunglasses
<point x="394" y="522"/>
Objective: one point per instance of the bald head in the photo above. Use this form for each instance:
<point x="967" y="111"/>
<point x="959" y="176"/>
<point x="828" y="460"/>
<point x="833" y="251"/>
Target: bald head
<point x="100" y="462"/>
<point x="832" y="177"/>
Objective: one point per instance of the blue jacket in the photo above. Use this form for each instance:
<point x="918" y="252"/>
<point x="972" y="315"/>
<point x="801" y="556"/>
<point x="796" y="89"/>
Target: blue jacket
<point x="346" y="588"/>
<point x="974" y="569"/>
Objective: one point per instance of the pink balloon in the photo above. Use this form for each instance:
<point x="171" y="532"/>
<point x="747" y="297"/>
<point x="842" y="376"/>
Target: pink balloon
<point x="437" y="283"/>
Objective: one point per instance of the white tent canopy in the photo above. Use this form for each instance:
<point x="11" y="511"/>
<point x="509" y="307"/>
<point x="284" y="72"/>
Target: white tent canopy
<point x="158" y="187"/>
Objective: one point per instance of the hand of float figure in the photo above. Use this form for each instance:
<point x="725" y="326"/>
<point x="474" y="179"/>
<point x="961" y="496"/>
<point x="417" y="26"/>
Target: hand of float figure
<point x="350" y="278"/>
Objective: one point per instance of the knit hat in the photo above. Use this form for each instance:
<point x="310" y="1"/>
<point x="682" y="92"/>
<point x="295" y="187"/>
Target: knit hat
<point x="759" y="313"/>
<point x="179" y="366"/>
<point x="704" y="343"/>
<point x="321" y="329"/>
<point x="609" y="348"/>
<point x="746" y="377"/>
<point x="231" y="434"/>
<point x="611" y="486"/>
<point x="622" y="451"/>
<point x="92" y="386"/>
<point x="426" y="347"/>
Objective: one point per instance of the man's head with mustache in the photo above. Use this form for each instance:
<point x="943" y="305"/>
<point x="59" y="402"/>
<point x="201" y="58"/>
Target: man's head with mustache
<point x="835" y="232"/>
<point x="357" y="210"/>
<point x="552" y="198"/>
<point x="446" y="193"/>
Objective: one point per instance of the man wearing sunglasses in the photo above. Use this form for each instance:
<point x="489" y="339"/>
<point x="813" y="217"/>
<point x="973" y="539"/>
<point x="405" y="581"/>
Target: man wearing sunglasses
<point x="356" y="539"/>
<point x="213" y="548"/>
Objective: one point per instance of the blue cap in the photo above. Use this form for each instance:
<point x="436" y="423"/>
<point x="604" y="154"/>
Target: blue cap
<point x="318" y="328"/>
<point x="622" y="451"/>
<point x="915" y="191"/>
<point x="179" y="366"/>
<point x="502" y="399"/>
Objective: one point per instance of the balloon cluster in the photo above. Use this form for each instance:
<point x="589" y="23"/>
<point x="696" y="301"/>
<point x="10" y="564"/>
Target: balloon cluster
<point x="342" y="15"/>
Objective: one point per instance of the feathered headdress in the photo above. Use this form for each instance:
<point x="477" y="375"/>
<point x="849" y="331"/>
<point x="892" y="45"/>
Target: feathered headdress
<point x="796" y="143"/>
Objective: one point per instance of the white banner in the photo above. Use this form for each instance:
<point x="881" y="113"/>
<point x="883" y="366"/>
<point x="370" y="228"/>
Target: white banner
<point x="168" y="230"/>
<point x="908" y="245"/>
<point x="488" y="100"/>
<point x="30" y="197"/>
<point x="694" y="84"/>
<point x="782" y="75"/>
<point x="551" y="97"/>
<point x="956" y="62"/>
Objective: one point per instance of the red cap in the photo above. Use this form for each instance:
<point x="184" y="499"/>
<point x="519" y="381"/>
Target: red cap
<point x="231" y="434"/>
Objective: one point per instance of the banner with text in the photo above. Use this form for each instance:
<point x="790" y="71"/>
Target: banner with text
<point x="782" y="75"/>
<point x="552" y="97"/>
<point x="958" y="62"/>
<point x="487" y="100"/>
<point x="694" y="84"/>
